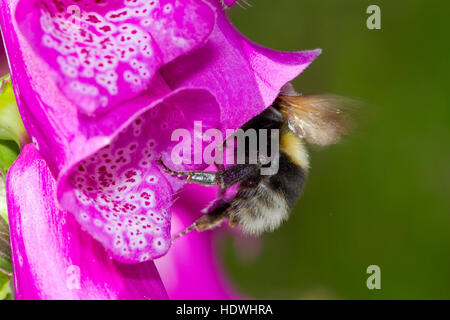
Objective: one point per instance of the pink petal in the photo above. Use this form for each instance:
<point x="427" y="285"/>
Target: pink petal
<point x="103" y="53"/>
<point x="120" y="195"/>
<point x="53" y="258"/>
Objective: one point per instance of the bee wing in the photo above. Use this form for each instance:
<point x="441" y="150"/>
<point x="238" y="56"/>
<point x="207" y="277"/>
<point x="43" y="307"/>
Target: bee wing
<point x="319" y="119"/>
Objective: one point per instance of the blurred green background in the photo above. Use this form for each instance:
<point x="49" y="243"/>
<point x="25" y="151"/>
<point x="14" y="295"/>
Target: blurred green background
<point x="383" y="195"/>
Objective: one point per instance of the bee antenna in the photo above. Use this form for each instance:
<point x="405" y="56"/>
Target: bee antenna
<point x="182" y="233"/>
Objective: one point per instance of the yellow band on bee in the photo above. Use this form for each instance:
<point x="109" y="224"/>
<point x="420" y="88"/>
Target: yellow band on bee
<point x="294" y="147"/>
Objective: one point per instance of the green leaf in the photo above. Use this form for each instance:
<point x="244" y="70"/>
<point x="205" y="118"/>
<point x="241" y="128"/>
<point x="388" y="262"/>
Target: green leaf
<point x="5" y="246"/>
<point x="3" y="207"/>
<point x="5" y="291"/>
<point x="9" y="150"/>
<point x="11" y="126"/>
<point x="12" y="137"/>
<point x="12" y="132"/>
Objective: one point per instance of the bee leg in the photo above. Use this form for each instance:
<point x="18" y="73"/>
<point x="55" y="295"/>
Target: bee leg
<point x="200" y="177"/>
<point x="216" y="217"/>
<point x="224" y="178"/>
<point x="221" y="194"/>
<point x="207" y="221"/>
<point x="212" y="219"/>
<point x="173" y="172"/>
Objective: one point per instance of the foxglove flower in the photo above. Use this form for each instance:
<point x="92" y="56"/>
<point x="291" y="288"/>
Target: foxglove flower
<point x="53" y="258"/>
<point x="101" y="85"/>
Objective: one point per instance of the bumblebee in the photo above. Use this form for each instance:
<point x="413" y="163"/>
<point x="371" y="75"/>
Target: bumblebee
<point x="263" y="202"/>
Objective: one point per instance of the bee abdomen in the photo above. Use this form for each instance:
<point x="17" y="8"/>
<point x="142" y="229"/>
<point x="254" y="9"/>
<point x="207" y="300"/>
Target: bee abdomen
<point x="258" y="209"/>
